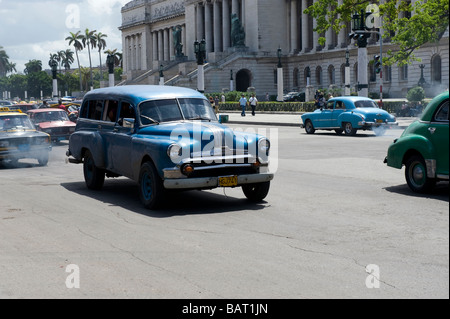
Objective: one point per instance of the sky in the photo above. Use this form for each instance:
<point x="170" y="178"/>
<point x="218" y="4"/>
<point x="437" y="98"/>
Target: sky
<point x="33" y="29"/>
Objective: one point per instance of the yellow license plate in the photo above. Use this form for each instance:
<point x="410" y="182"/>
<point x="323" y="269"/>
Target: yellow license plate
<point x="228" y="181"/>
<point x="379" y="121"/>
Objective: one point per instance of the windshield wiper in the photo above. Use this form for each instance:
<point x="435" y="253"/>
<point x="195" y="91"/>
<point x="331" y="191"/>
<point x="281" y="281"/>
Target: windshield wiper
<point x="150" y="119"/>
<point x="200" y="118"/>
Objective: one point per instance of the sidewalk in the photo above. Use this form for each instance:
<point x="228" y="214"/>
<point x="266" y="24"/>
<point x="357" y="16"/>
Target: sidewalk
<point x="285" y="119"/>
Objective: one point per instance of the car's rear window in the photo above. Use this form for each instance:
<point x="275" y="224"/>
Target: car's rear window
<point x="365" y="103"/>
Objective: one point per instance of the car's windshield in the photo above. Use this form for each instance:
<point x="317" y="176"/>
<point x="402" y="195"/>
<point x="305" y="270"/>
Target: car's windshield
<point x="159" y="111"/>
<point x="50" y="116"/>
<point x="197" y="109"/>
<point x="365" y="103"/>
<point x="8" y="123"/>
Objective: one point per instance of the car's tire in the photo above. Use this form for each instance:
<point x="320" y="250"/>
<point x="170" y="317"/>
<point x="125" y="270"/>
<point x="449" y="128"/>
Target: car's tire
<point x="43" y="159"/>
<point x="309" y="127"/>
<point x="416" y="175"/>
<point x="93" y="176"/>
<point x="256" y="192"/>
<point x="349" y="130"/>
<point x="151" y="189"/>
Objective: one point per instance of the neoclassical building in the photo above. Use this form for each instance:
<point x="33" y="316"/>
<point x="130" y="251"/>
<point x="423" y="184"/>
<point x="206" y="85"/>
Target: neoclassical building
<point x="151" y="29"/>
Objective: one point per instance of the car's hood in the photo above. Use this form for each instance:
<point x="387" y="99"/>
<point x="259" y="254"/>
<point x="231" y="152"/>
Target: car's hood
<point x="201" y="134"/>
<point x="45" y="125"/>
<point x="21" y="134"/>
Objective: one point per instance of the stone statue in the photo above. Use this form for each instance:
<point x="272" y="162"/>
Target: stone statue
<point x="237" y="32"/>
<point x="176" y="32"/>
<point x="110" y="63"/>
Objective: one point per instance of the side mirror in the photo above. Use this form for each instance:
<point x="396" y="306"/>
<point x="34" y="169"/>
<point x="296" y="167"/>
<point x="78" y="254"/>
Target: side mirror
<point x="128" y="123"/>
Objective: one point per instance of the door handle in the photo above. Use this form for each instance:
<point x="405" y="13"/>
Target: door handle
<point x="432" y="130"/>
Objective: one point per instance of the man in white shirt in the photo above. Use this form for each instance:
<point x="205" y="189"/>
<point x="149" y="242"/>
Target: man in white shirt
<point x="243" y="104"/>
<point x="253" y="103"/>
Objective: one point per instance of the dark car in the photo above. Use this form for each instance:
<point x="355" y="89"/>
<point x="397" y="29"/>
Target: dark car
<point x="165" y="138"/>
<point x="19" y="138"/>
<point x="294" y="97"/>
<point x="423" y="147"/>
<point x="53" y="121"/>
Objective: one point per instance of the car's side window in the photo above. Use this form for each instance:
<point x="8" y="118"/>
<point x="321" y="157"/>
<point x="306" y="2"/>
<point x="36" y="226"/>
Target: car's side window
<point x="110" y="110"/>
<point x="126" y="111"/>
<point x="339" y="105"/>
<point x="442" y="113"/>
<point x="330" y="105"/>
<point x="93" y="109"/>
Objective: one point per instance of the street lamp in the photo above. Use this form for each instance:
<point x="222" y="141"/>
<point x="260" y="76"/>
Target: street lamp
<point x="110" y="62"/>
<point x="347" y="72"/>
<point x="161" y="75"/>
<point x="279" y="77"/>
<point x="200" y="52"/>
<point x="54" y="66"/>
<point x="422" y="79"/>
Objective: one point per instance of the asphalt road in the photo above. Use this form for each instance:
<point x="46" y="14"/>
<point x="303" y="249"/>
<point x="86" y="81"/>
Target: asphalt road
<point x="337" y="223"/>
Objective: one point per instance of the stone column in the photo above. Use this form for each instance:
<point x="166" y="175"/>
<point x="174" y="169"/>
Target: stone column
<point x="315" y="37"/>
<point x="305" y="27"/>
<point x="217" y="23"/>
<point x="235" y="7"/>
<point x="294" y="27"/>
<point x="342" y="36"/>
<point x="166" y="45"/>
<point x="171" y="46"/>
<point x="208" y="28"/>
<point x="154" y="46"/>
<point x="200" y="23"/>
<point x="226" y="24"/>
<point x="160" y="46"/>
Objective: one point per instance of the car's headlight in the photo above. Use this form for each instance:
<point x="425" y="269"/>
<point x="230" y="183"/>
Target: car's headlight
<point x="263" y="146"/>
<point x="174" y="152"/>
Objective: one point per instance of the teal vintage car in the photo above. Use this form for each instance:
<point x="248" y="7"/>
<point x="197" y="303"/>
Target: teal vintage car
<point x="165" y="138"/>
<point x="423" y="147"/>
<point x="348" y="114"/>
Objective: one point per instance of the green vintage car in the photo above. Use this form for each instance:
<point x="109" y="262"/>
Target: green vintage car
<point x="423" y="147"/>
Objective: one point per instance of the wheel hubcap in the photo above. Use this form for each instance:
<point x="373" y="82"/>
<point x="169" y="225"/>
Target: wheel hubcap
<point x="418" y="174"/>
<point x="146" y="186"/>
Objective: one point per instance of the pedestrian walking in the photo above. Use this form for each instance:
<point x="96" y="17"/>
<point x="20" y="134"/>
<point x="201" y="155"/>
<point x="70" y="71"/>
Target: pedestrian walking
<point x="223" y="98"/>
<point x="267" y="97"/>
<point x="216" y="104"/>
<point x="243" y="104"/>
<point x="253" y="103"/>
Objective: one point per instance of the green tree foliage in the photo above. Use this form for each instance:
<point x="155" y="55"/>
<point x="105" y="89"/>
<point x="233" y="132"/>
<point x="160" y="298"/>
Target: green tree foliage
<point x="416" y="94"/>
<point x="427" y="23"/>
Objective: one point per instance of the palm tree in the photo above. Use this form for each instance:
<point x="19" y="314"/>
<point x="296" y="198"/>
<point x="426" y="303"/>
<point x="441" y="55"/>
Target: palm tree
<point x="74" y="39"/>
<point x="89" y="41"/>
<point x="4" y="61"/>
<point x="67" y="59"/>
<point x="33" y="66"/>
<point x="101" y="44"/>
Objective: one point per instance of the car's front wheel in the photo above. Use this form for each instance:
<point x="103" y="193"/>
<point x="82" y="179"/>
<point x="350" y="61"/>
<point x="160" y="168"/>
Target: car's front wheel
<point x="349" y="129"/>
<point x="256" y="192"/>
<point x="416" y="175"/>
<point x="151" y="189"/>
<point x="309" y="127"/>
<point x="93" y="176"/>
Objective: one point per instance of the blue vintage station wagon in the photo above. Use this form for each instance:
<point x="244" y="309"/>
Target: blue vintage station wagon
<point x="348" y="114"/>
<point x="165" y="138"/>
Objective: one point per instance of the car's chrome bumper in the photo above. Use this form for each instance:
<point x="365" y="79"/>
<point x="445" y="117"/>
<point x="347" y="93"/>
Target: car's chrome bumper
<point x="377" y="124"/>
<point x="213" y="182"/>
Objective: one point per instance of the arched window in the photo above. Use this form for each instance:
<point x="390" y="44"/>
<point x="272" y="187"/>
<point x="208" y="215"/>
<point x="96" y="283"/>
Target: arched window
<point x="331" y="75"/>
<point x="307" y="75"/>
<point x="319" y="75"/>
<point x="295" y="78"/>
<point x="343" y="73"/>
<point x="436" y="74"/>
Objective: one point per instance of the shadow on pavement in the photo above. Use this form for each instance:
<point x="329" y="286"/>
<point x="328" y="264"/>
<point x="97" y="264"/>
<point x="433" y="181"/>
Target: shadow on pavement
<point x="440" y="192"/>
<point x="124" y="193"/>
